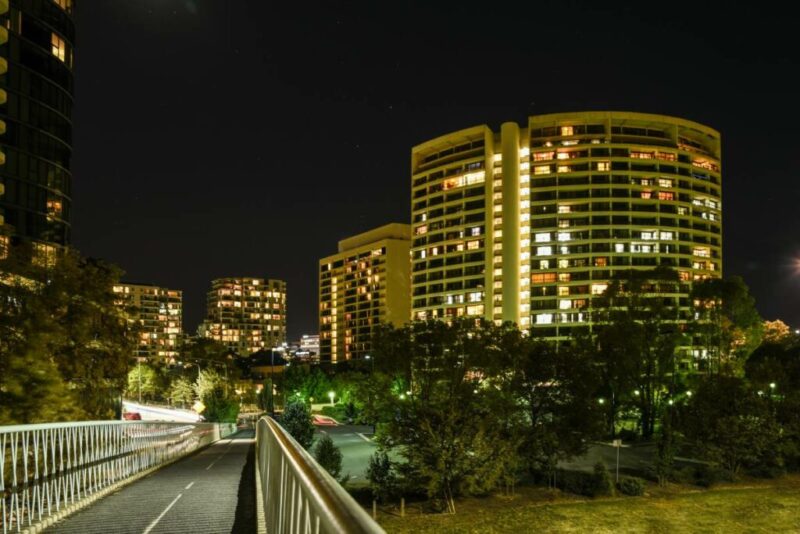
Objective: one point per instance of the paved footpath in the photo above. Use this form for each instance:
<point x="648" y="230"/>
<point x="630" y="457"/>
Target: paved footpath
<point x="211" y="491"/>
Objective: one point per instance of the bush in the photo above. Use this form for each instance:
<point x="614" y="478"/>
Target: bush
<point x="593" y="484"/>
<point x="627" y="435"/>
<point x="602" y="480"/>
<point x="328" y="456"/>
<point x="296" y="420"/>
<point x="381" y="476"/>
<point x="220" y="409"/>
<point x="709" y="475"/>
<point x="632" y="486"/>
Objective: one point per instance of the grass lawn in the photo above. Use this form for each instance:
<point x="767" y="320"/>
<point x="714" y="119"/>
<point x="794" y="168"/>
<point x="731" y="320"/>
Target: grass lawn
<point x="753" y="506"/>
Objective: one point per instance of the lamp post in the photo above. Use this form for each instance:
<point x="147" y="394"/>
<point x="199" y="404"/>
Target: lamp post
<point x="331" y="395"/>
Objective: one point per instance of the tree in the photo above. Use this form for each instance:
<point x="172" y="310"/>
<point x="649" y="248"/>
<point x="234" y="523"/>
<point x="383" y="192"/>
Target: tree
<point x="296" y="420"/>
<point x="328" y="456"/>
<point x="181" y="391"/>
<point x="638" y="341"/>
<point x="219" y="408"/>
<point x="454" y="427"/>
<point x="143" y="383"/>
<point x="557" y="388"/>
<point x="381" y="476"/>
<point x="208" y="380"/>
<point x="729" y="327"/>
<point x="65" y="343"/>
<point x="730" y="424"/>
<point x="776" y="332"/>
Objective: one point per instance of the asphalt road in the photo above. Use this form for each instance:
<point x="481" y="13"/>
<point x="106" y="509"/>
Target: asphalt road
<point x="203" y="493"/>
<point x="356" y="447"/>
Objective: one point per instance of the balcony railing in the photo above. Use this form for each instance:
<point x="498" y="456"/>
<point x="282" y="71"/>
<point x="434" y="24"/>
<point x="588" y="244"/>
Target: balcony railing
<point x="297" y="495"/>
<point x="49" y="470"/>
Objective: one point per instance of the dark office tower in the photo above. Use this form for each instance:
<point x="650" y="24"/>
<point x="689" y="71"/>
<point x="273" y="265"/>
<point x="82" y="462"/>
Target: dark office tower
<point x="36" y="85"/>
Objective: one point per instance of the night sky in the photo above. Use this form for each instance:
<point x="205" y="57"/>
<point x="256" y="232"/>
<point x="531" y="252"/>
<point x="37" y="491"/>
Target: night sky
<point x="245" y="138"/>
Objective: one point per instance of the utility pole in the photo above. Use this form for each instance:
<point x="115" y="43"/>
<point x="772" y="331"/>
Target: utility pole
<point x="139" y="365"/>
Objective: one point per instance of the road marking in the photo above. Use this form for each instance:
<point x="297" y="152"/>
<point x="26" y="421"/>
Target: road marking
<point x="190" y="485"/>
<point x="362" y="436"/>
<point x="215" y="461"/>
<point x="154" y="523"/>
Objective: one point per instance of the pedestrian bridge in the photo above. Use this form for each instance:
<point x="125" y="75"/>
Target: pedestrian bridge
<point x="155" y="477"/>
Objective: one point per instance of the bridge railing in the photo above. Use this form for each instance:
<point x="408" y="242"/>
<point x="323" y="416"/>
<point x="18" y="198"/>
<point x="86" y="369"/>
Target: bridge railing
<point x="48" y="470"/>
<point x="297" y="494"/>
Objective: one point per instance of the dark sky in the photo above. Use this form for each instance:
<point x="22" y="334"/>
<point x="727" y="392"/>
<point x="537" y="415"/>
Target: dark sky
<point x="221" y="138"/>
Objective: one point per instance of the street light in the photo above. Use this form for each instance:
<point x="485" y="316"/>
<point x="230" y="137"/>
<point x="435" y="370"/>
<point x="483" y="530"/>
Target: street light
<point x="772" y="386"/>
<point x="688" y="393"/>
<point x="636" y="392"/>
<point x="601" y="400"/>
<point x="331" y="394"/>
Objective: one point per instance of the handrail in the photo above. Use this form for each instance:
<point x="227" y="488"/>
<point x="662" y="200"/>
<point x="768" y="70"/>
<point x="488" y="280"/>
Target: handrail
<point x="50" y="470"/>
<point x="298" y="495"/>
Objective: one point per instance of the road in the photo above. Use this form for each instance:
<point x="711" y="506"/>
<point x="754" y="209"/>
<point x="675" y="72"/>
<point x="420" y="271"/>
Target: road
<point x="356" y="447"/>
<point x="211" y="491"/>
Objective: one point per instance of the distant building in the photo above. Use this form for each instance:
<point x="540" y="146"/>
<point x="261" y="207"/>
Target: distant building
<point x="159" y="311"/>
<point x="364" y="284"/>
<point x="36" y="69"/>
<point x="246" y="314"/>
<point x="530" y="223"/>
<point x="309" y="347"/>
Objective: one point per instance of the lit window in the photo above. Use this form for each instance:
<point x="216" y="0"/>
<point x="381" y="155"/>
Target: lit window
<point x="544" y="318"/>
<point x="666" y="195"/>
<point x="524" y="152"/>
<point x="564" y="236"/>
<point x="619" y="247"/>
<point x="703" y="252"/>
<point x="564" y="277"/>
<point x="421" y="229"/>
<point x="473" y="245"/>
<point x="564" y="209"/>
<point x="544" y="264"/>
<point x="598" y="289"/>
<point x="543" y="278"/>
<point x="59" y="47"/>
<point x="544" y="251"/>
<point x="543" y="237"/>
<point x="567" y="130"/>
<point x="475" y="310"/>
<point x="647" y="194"/>
<point x="563" y="264"/>
<point x="564" y="304"/>
<point x="563" y="291"/>
<point x="603" y="166"/>
<point x="541" y="169"/>
<point x="564" y="168"/>
<point x="682" y="210"/>
<point x="542" y="156"/>
<point x="601" y="262"/>
<point x="497" y="157"/>
<point x="664" y="182"/>
<point x="524" y="166"/>
<point x="562" y="155"/>
<point x="666" y="236"/>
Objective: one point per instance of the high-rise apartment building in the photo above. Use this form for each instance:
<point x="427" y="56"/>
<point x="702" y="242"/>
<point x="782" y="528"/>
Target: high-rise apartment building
<point x="36" y="87"/>
<point x="528" y="224"/>
<point x="246" y="314"/>
<point x="364" y="284"/>
<point x="159" y="312"/>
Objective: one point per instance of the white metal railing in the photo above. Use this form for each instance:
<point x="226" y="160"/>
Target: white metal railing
<point x="297" y="494"/>
<point x="49" y="468"/>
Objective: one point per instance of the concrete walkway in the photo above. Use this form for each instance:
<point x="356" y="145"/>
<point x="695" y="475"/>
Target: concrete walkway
<point x="211" y="491"/>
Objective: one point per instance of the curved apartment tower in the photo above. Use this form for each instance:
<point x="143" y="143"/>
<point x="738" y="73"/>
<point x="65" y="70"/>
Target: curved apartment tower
<point x="528" y="224"/>
<point x="36" y="86"/>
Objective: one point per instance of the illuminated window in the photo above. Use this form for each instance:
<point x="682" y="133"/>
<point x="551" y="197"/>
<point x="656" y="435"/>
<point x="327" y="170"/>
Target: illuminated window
<point x="564" y="209"/>
<point x="541" y="169"/>
<point x="544" y="318"/>
<point x="473" y="245"/>
<point x="563" y="291"/>
<point x="544" y="251"/>
<point x="564" y="277"/>
<point x="564" y="236"/>
<point x="619" y="247"/>
<point x="666" y="236"/>
<point x="564" y="168"/>
<point x="66" y="5"/>
<point x="664" y="182"/>
<point x="563" y="264"/>
<point x="598" y="289"/>
<point x="682" y="210"/>
<point x="564" y="304"/>
<point x="475" y="310"/>
<point x="647" y="194"/>
<point x="563" y="155"/>
<point x="543" y="278"/>
<point x="567" y="130"/>
<point x="703" y="252"/>
<point x="59" y="47"/>
<point x="542" y="156"/>
<point x="476" y="297"/>
<point x="603" y="166"/>
<point x="601" y="262"/>
<point x="543" y="237"/>
<point x="666" y="195"/>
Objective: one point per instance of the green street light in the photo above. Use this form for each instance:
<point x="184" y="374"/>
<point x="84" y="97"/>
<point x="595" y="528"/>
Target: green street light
<point x="402" y="396"/>
<point x="636" y="392"/>
<point x="688" y="393"/>
<point x="601" y="400"/>
<point x="670" y="402"/>
<point x="772" y="385"/>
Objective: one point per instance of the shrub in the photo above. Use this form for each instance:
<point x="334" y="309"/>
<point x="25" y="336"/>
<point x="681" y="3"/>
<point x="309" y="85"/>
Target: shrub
<point x="628" y="435"/>
<point x="328" y="456"/>
<point x="632" y="486"/>
<point x="709" y="475"/>
<point x="602" y="480"/>
<point x="381" y="476"/>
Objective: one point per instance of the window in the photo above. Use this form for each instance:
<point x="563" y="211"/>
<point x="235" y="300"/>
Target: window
<point x="564" y="236"/>
<point x="473" y="245"/>
<point x="564" y="304"/>
<point x="543" y="278"/>
<point x="664" y="182"/>
<point x="567" y="130"/>
<point x="544" y="318"/>
<point x="564" y="168"/>
<point x="603" y="166"/>
<point x="541" y="169"/>
<point x="544" y="251"/>
<point x="542" y="156"/>
<point x="666" y="236"/>
<point x="59" y="47"/>
<point x="601" y="262"/>
<point x="599" y="289"/>
<point x="476" y="297"/>
<point x="666" y="195"/>
<point x="647" y="194"/>
<point x="563" y="155"/>
<point x="66" y="5"/>
<point x="564" y="209"/>
<point x="475" y="310"/>
<point x="619" y="247"/>
<point x="4" y="242"/>
<point x="564" y="277"/>
<point x="703" y="252"/>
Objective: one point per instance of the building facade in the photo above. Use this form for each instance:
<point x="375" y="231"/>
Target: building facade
<point x="159" y="312"/>
<point x="36" y="87"/>
<point x="530" y="223"/>
<point x="246" y="314"/>
<point x="364" y="284"/>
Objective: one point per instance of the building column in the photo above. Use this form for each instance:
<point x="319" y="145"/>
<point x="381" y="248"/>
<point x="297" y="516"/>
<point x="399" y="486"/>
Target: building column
<point x="509" y="133"/>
